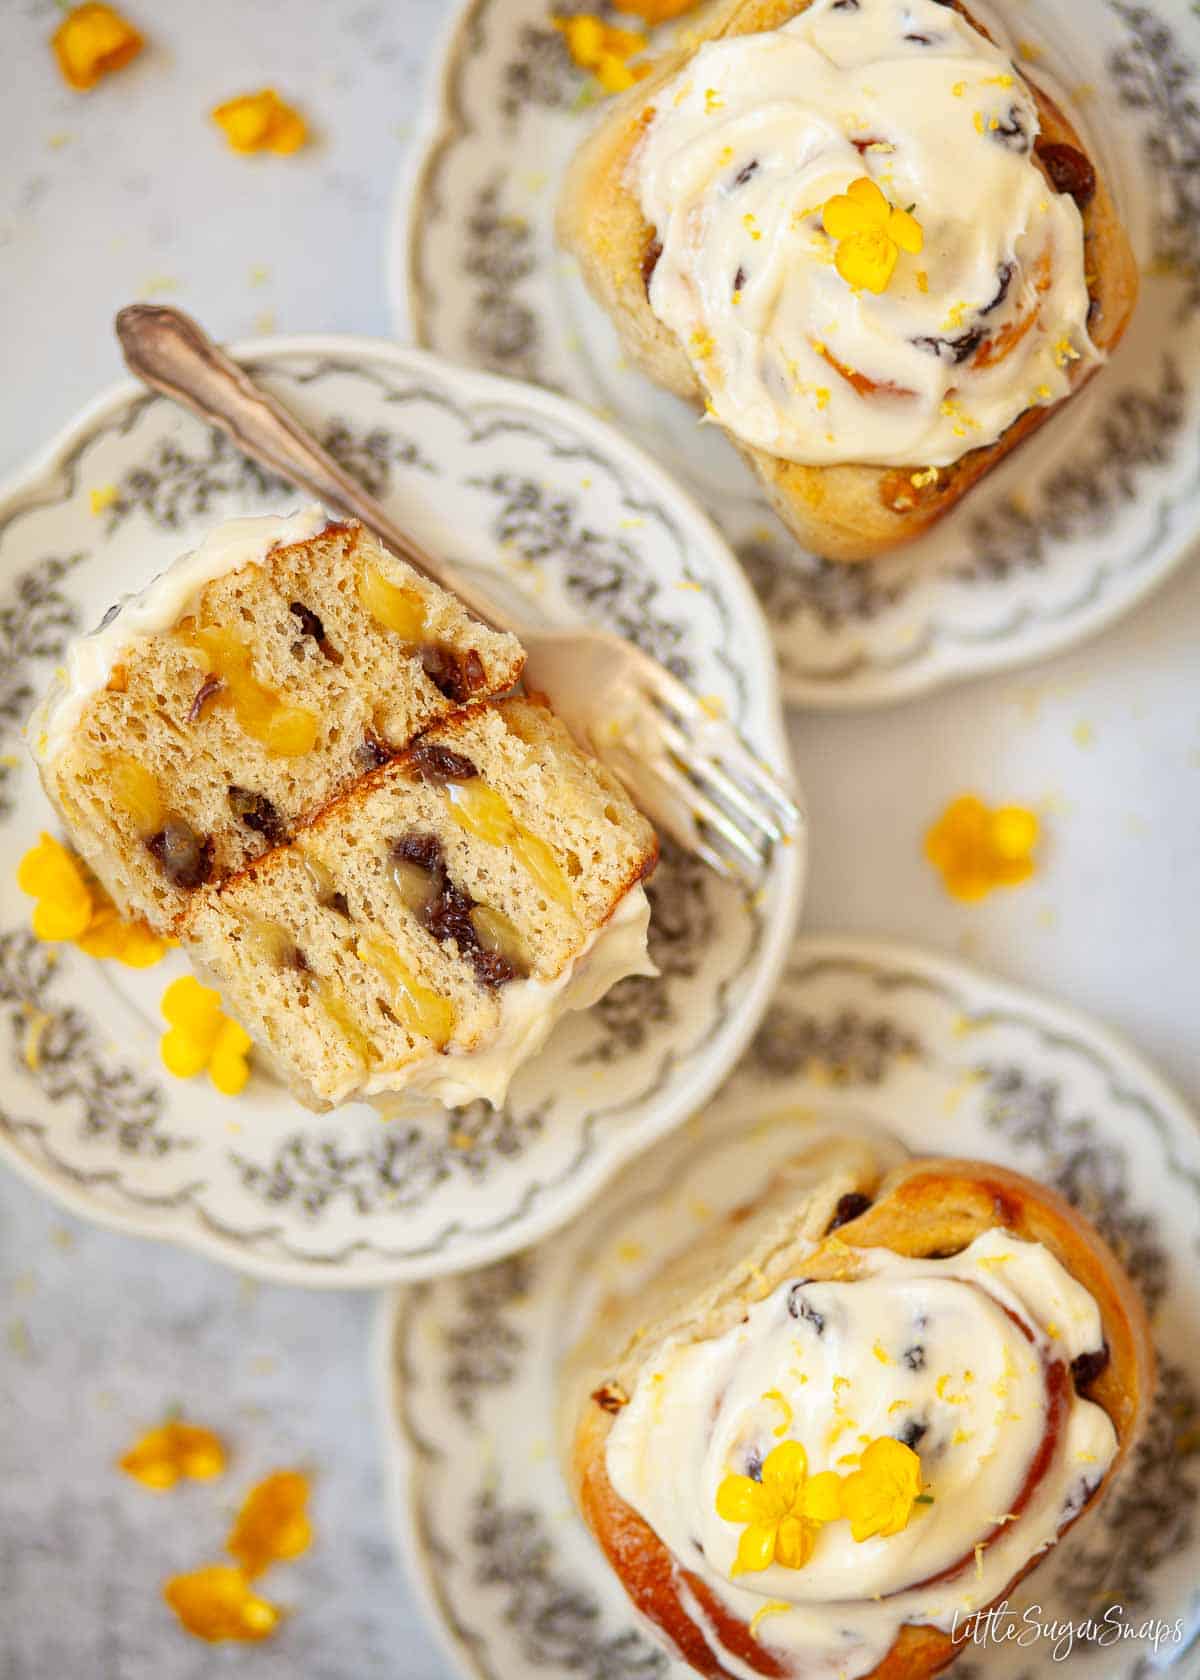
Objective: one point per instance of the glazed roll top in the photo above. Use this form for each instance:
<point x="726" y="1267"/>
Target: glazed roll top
<point x="892" y="1446"/>
<point x="859" y="250"/>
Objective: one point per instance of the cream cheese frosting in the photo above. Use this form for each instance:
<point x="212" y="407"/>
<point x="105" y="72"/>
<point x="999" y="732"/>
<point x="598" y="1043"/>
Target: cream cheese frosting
<point x="965" y="1359"/>
<point x="749" y="143"/>
<point x="529" y="1012"/>
<point x="161" y="603"/>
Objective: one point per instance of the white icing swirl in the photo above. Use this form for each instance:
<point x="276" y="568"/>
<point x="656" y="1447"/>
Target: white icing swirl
<point x="745" y="148"/>
<point x="954" y="1356"/>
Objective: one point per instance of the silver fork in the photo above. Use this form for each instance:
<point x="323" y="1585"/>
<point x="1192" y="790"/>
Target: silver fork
<point x="688" y="770"/>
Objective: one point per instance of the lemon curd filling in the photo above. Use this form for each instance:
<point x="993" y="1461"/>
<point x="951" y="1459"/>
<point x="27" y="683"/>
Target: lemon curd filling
<point x="481" y="811"/>
<point x="135" y="791"/>
<point x="393" y="608"/>
<point x="286" y="731"/>
<point x="418" y="1007"/>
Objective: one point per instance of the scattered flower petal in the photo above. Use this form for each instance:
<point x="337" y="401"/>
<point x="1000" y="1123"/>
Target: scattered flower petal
<point x="92" y="41"/>
<point x="604" y="49"/>
<point x="654" y="12"/>
<point x="272" y="1524"/>
<point x="72" y="906"/>
<point x="261" y="122"/>
<point x="174" y="1451"/>
<point x="976" y="849"/>
<point x="201" y="1036"/>
<point x="217" y="1603"/>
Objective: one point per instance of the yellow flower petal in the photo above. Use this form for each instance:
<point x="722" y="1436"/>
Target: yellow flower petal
<point x="49" y="873"/>
<point x="867" y="195"/>
<point x="173" y="1450"/>
<point x="92" y="41"/>
<point x="794" y="1541"/>
<point x="878" y="1498"/>
<point x="843" y="217"/>
<point x="183" y="1055"/>
<point x="784" y="1469"/>
<point x="217" y="1603"/>
<point x="260" y="122"/>
<point x="272" y="1524"/>
<point x="867" y="260"/>
<point x="186" y="1003"/>
<point x="1013" y="831"/>
<point x="739" y="1499"/>
<point x="756" y="1549"/>
<point x="906" y="231"/>
<point x="822" y="1497"/>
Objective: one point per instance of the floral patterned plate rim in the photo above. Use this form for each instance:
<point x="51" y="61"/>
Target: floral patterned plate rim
<point x="861" y="1036"/>
<point x="1067" y="536"/>
<point x="572" y="520"/>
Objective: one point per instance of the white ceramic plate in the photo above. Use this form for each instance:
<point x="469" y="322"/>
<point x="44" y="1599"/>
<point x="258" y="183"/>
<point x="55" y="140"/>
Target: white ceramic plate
<point x="1065" y="537"/>
<point x="576" y="522"/>
<point x="859" y="1036"/>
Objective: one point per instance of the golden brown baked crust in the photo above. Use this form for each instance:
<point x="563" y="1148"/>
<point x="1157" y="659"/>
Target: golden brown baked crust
<point x="845" y="512"/>
<point x="928" y="1207"/>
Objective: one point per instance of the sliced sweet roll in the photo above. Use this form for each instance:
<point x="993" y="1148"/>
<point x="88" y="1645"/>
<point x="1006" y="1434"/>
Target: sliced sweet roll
<point x="825" y="1440"/>
<point x="426" y="931"/>
<point x="242" y="690"/>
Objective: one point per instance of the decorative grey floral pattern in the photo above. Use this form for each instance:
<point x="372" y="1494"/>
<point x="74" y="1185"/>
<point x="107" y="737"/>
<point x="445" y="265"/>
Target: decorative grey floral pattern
<point x="499" y="255"/>
<point x="35" y="621"/>
<point x="682" y="923"/>
<point x="400" y="1166"/>
<point x="600" y="572"/>
<point x="1140" y="428"/>
<point x="60" y="1049"/>
<point x="558" y="1623"/>
<point x="481" y="1345"/>
<point x="177" y="485"/>
<point x="835" y="595"/>
<point x="1156" y="77"/>
<point x="370" y="457"/>
<point x="1152" y="1517"/>
<point x="1092" y="1175"/>
<point x="851" y="1047"/>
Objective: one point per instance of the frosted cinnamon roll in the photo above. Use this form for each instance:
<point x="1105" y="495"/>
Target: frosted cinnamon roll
<point x="823" y="1443"/>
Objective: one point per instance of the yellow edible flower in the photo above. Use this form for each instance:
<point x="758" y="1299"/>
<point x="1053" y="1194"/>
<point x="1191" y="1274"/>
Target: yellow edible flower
<point x="870" y="234"/>
<point x="604" y="49"/>
<point x="50" y="874"/>
<point x="878" y="1498"/>
<point x="72" y="907"/>
<point x="654" y="11"/>
<point x="172" y="1452"/>
<point x="782" y="1512"/>
<point x="218" y="1603"/>
<point x="92" y="41"/>
<point x="201" y="1036"/>
<point x="261" y="122"/>
<point x="272" y="1525"/>
<point x="976" y="849"/>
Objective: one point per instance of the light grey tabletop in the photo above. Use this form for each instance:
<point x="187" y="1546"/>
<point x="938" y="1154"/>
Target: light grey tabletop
<point x="130" y="192"/>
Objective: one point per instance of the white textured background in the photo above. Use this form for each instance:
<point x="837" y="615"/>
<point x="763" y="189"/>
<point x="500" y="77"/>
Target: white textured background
<point x="129" y="193"/>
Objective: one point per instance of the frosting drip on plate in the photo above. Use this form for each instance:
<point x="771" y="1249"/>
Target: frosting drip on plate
<point x="965" y="1360"/>
<point x="983" y="308"/>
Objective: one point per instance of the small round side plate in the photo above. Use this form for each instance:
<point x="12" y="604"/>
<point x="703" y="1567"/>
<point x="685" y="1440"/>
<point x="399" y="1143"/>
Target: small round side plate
<point x="1065" y="537"/>
<point x="860" y="1036"/>
<point x="574" y="522"/>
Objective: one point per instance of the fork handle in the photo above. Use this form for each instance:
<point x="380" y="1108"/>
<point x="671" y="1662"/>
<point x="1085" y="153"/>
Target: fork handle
<point x="170" y="352"/>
